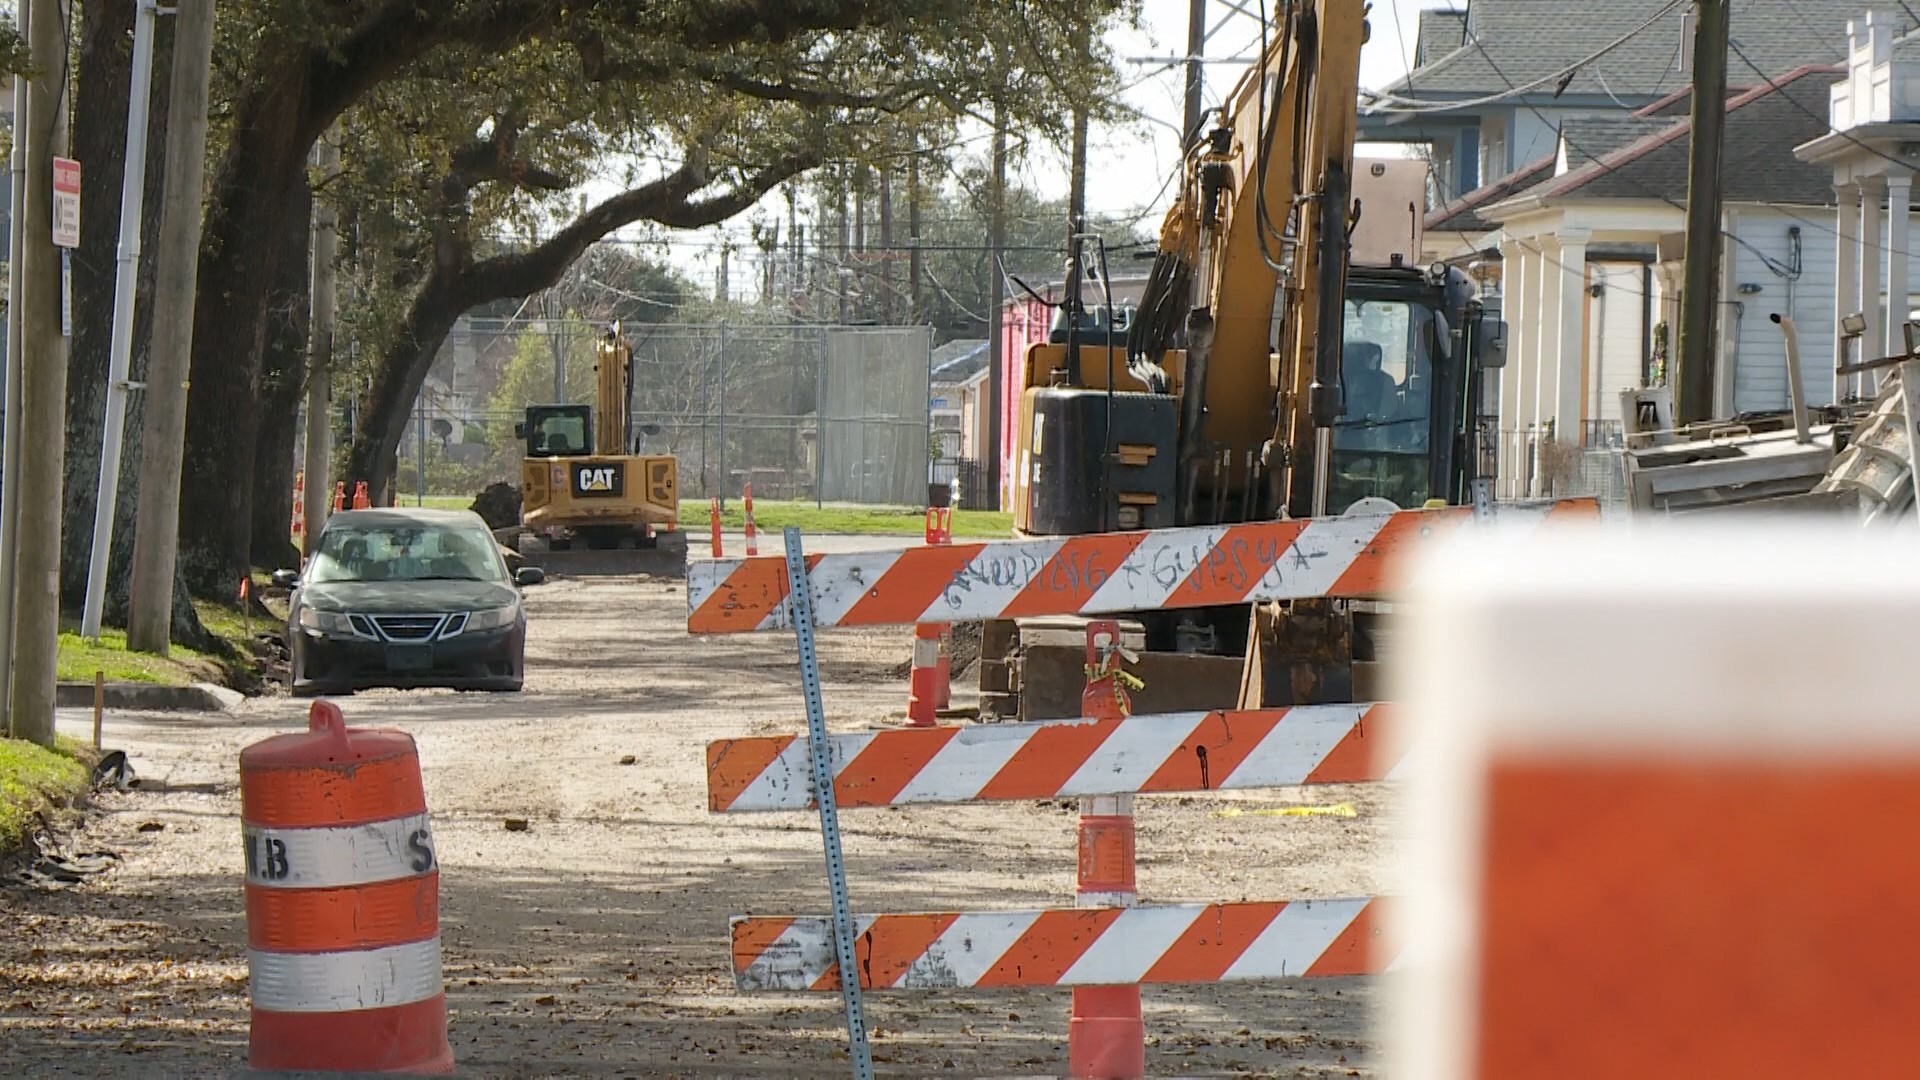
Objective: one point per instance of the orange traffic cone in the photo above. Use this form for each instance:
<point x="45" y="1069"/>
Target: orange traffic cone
<point x="360" y="499"/>
<point x="746" y="500"/>
<point x="714" y="520"/>
<point x="339" y="495"/>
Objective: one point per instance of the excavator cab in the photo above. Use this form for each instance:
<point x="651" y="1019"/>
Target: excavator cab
<point x="557" y="430"/>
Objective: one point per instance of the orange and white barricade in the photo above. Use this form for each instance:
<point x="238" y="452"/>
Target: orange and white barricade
<point x="343" y="900"/>
<point x="1662" y="819"/>
<point x="1110" y="944"/>
<point x="1099" y="574"/>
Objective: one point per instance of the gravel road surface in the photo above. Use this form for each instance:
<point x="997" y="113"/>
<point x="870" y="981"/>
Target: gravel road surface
<point x="595" y="942"/>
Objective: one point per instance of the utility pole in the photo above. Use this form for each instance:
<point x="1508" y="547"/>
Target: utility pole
<point x="996" y="243"/>
<point x="420" y="447"/>
<point x="722" y="292"/>
<point x="556" y="341"/>
<point x="133" y="183"/>
<point x="10" y="444"/>
<point x="1077" y="197"/>
<point x="326" y="249"/>
<point x="915" y="271"/>
<point x="1196" y="45"/>
<point x="156" y="536"/>
<point x="887" y="288"/>
<point x="43" y="387"/>
<point x="1700" y="300"/>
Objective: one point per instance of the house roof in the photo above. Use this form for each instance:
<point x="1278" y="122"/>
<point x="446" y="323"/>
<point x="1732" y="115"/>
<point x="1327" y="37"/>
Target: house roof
<point x="1763" y="126"/>
<point x="1463" y="215"/>
<point x="1516" y="42"/>
<point x="959" y="360"/>
<point x="1441" y="32"/>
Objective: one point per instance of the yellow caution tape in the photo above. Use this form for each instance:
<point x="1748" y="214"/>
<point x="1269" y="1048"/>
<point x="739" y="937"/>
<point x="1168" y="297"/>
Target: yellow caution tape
<point x="1338" y="810"/>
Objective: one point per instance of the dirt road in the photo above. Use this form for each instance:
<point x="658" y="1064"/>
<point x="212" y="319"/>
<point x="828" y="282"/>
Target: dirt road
<point x="594" y="944"/>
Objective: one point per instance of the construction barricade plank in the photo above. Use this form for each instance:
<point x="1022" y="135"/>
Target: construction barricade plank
<point x="1222" y="750"/>
<point x="1150" y="944"/>
<point x="1087" y="575"/>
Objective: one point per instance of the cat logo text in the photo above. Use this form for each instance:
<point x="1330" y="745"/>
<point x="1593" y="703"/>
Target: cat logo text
<point x="598" y="481"/>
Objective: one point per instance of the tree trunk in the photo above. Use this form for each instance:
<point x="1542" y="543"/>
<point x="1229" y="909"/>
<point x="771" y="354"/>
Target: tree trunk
<point x="240" y="250"/>
<point x="401" y="372"/>
<point x="283" y="385"/>
<point x="99" y="137"/>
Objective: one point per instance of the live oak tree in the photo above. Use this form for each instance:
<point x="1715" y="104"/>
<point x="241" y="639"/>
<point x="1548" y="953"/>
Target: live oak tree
<point x="705" y="133"/>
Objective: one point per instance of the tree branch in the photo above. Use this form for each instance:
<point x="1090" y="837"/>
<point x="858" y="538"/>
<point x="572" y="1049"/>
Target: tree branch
<point x="669" y="201"/>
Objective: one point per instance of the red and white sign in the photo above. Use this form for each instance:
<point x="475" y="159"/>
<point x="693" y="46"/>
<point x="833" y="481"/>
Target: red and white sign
<point x="66" y="202"/>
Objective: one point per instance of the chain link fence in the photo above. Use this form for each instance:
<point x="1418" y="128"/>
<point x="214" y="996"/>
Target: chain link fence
<point x="818" y="413"/>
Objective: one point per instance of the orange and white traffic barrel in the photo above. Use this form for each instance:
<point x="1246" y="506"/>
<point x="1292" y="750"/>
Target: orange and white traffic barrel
<point x="343" y="903"/>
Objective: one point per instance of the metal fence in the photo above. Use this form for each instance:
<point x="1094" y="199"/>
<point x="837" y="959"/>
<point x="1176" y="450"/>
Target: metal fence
<point x="1532" y="464"/>
<point x="823" y="413"/>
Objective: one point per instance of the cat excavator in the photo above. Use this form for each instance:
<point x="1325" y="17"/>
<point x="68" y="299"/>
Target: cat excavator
<point x="591" y="503"/>
<point x="1283" y="362"/>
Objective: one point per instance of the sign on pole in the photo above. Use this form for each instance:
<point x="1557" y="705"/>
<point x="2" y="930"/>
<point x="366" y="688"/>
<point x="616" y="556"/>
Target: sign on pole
<point x="66" y="202"/>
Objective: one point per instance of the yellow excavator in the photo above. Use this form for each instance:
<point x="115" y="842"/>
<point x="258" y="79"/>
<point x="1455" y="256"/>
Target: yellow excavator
<point x="590" y="502"/>
<point x="1267" y="372"/>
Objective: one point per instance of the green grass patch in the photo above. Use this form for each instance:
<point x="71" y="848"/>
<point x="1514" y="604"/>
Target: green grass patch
<point x="771" y="516"/>
<point x="35" y="779"/>
<point x="80" y="658"/>
<point x="832" y="519"/>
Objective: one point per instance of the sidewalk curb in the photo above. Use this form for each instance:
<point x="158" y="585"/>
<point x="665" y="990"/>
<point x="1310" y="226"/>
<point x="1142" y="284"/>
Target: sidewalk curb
<point x="197" y="697"/>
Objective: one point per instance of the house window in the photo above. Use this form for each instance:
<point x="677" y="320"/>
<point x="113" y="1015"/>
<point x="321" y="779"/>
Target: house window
<point x="1493" y="156"/>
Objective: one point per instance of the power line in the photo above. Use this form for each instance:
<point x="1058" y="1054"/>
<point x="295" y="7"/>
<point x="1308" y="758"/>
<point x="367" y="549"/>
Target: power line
<point x="1415" y="107"/>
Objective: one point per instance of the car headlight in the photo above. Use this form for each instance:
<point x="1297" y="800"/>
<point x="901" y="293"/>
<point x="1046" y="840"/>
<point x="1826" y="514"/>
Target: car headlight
<point x="325" y="622"/>
<point x="492" y="618"/>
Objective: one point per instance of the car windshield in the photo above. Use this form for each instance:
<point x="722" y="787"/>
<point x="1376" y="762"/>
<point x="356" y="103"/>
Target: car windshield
<point x="406" y="551"/>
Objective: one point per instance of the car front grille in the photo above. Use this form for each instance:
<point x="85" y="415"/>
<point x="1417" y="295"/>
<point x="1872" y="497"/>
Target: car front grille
<point x="408" y="627"/>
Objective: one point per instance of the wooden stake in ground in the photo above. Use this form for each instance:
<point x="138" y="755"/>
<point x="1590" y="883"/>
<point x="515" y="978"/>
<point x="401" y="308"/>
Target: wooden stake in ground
<point x="156" y="534"/>
<point x="43" y="389"/>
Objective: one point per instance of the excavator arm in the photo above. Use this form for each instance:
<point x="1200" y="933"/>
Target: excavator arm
<point x="1257" y="238"/>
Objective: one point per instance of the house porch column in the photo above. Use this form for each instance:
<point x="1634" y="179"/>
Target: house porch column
<point x="1570" y="329"/>
<point x="1846" y="293"/>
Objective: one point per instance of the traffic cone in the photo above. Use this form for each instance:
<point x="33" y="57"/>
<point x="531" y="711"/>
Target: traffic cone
<point x="1106" y="1035"/>
<point x="746" y="500"/>
<point x="360" y="498"/>
<point x="339" y="495"/>
<point x="922" y="694"/>
<point x="713" y="517"/>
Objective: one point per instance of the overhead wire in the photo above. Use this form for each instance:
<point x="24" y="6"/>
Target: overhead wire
<point x="1413" y="106"/>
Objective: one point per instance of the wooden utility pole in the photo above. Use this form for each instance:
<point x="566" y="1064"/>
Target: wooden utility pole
<point x="156" y="535"/>
<point x="10" y="443"/>
<point x="319" y="455"/>
<point x="1196" y="46"/>
<point x="41" y="410"/>
<point x="1700" y="298"/>
<point x="996" y="243"/>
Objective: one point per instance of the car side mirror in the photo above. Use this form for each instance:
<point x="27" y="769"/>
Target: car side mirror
<point x="1490" y="343"/>
<point x="529" y="575"/>
<point x="286" y="579"/>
